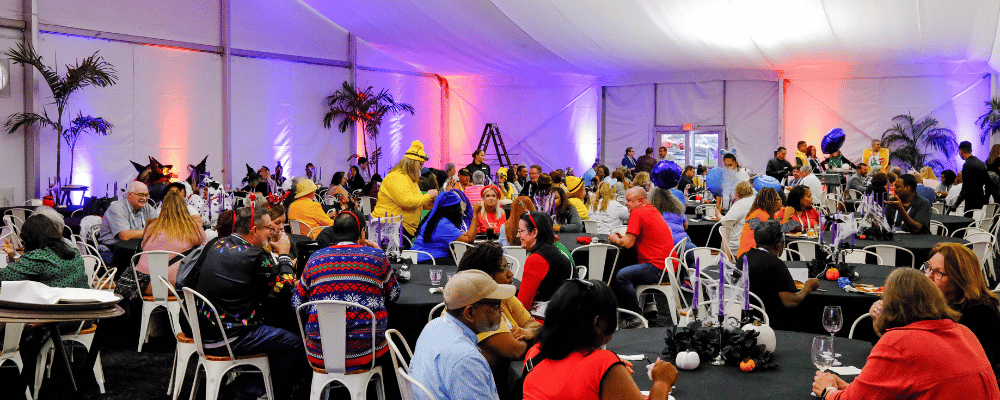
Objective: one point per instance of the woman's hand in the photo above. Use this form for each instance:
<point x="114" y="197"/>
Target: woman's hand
<point x="875" y="310"/>
<point x="823" y="380"/>
<point x="8" y="248"/>
<point x="476" y="208"/>
<point x="664" y="372"/>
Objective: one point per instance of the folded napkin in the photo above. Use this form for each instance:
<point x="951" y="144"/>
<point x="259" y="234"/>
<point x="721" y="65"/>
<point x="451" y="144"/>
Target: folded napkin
<point x="585" y="240"/>
<point x="38" y="293"/>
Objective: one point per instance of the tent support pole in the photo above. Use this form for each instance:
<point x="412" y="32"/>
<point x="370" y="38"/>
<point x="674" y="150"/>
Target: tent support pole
<point x="227" y="114"/>
<point x="32" y="146"/>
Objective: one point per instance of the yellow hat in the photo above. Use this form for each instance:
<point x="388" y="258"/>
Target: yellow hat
<point x="416" y="152"/>
<point x="304" y="187"/>
<point x="502" y="171"/>
<point x="573" y="184"/>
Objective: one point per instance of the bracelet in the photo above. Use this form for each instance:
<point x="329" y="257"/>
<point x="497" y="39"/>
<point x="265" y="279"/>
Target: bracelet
<point x="825" y="391"/>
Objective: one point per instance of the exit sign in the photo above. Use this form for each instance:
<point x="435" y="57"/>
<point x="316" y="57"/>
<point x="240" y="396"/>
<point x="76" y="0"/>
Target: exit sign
<point x="688" y="127"/>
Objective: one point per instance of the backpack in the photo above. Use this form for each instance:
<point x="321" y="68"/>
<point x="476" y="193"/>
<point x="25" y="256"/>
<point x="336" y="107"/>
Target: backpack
<point x="190" y="268"/>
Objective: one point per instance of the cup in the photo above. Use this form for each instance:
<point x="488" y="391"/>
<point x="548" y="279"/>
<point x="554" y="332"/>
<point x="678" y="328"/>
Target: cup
<point x="450" y="275"/>
<point x="435" y="276"/>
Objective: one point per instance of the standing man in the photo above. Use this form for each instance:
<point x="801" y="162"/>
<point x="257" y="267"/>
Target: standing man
<point x="800" y="154"/>
<point x="876" y="157"/>
<point x="907" y="211"/>
<point x="238" y="276"/>
<point x="974" y="179"/>
<point x="860" y="180"/>
<point x="447" y="359"/>
<point x="629" y="160"/>
<point x="778" y="167"/>
<point x="646" y="162"/>
<point x="649" y="233"/>
<point x="522" y="177"/>
<point x="125" y="219"/>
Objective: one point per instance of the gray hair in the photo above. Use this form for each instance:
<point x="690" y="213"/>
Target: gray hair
<point x="478" y="177"/>
<point x="53" y="215"/>
<point x="665" y="201"/>
<point x="449" y="166"/>
<point x="805" y="168"/>
<point x="135" y="185"/>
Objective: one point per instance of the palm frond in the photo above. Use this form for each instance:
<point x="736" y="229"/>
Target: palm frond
<point x="938" y="166"/>
<point x="17" y="120"/>
<point x="942" y="139"/>
<point x="989" y="123"/>
<point x="92" y="70"/>
<point x="26" y="55"/>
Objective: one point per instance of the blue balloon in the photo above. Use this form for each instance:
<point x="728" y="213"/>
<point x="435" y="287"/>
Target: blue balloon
<point x="766" y="181"/>
<point x="665" y="174"/>
<point x="714" y="180"/>
<point x="833" y="141"/>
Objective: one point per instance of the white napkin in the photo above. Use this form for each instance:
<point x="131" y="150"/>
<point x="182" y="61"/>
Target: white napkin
<point x="38" y="293"/>
<point x="799" y="274"/>
<point x="632" y="357"/>
<point x="848" y="370"/>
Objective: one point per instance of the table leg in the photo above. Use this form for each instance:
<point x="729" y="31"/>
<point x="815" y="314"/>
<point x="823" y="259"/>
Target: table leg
<point x="61" y="354"/>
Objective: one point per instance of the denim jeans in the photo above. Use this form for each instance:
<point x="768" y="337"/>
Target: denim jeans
<point x="630" y="277"/>
<point x="285" y="355"/>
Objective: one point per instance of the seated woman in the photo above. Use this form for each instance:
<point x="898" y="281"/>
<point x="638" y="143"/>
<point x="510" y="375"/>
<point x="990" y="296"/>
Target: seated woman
<point x="354" y="179"/>
<point x="801" y="202"/>
<point x="564" y="214"/>
<point x="339" y="179"/>
<point x="955" y="271"/>
<point x="516" y="328"/>
<point x="765" y="206"/>
<point x="954" y="191"/>
<point x="930" y="180"/>
<point x="441" y="227"/>
<point x="568" y="361"/>
<point x="507" y="189"/>
<point x="546" y="267"/>
<point x="947" y="180"/>
<point x="922" y="352"/>
<point x="305" y="209"/>
<point x="620" y="184"/>
<point x="673" y="212"/>
<point x="508" y="232"/>
<point x="174" y="230"/>
<point x="46" y="259"/>
<point x="605" y="209"/>
<point x="491" y="216"/>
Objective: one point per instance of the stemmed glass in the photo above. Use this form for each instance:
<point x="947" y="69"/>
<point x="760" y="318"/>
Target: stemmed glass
<point x="822" y="346"/>
<point x="833" y="320"/>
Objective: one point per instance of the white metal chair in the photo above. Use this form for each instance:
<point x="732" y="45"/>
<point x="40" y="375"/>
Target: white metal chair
<point x="726" y="229"/>
<point x="21" y="214"/>
<point x="413" y="255"/>
<point x="315" y="231"/>
<point x="938" y="228"/>
<point x="399" y="362"/>
<point x="598" y="259"/>
<point x="850" y="335"/>
<point x="859" y="256"/>
<point x="706" y="256"/>
<point x="805" y="248"/>
<point x="158" y="261"/>
<point x="595" y="227"/>
<point x="458" y="250"/>
<point x="46" y="355"/>
<point x="937" y="208"/>
<point x="852" y="194"/>
<point x="670" y="288"/>
<point x="184" y="350"/>
<point x="366" y="204"/>
<point x="888" y="253"/>
<point x="331" y="316"/>
<point x="965" y="232"/>
<point x="435" y="312"/>
<point x="14" y="228"/>
<point x="787" y="254"/>
<point x="520" y="255"/>
<point x="645" y="322"/>
<point x="514" y="264"/>
<point x="298" y="227"/>
<point x="10" y="351"/>
<point x="216" y="367"/>
<point x="715" y="228"/>
<point x="407" y="383"/>
<point x="981" y="249"/>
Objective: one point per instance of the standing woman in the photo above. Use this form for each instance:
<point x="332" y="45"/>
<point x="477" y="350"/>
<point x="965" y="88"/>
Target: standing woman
<point x="279" y="178"/>
<point x="765" y="206"/>
<point x="800" y="200"/>
<point x="629" y="160"/>
<point x="479" y="163"/>
<point x="174" y="230"/>
<point x="399" y="194"/>
<point x="545" y="268"/>
<point x="836" y="161"/>
<point x="508" y="232"/>
<point x="814" y="162"/>
<point x="491" y="216"/>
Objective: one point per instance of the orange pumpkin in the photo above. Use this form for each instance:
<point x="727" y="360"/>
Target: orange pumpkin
<point x="748" y="365"/>
<point x="832" y="274"/>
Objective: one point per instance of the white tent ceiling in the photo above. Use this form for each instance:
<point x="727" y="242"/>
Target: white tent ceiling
<point x="611" y="38"/>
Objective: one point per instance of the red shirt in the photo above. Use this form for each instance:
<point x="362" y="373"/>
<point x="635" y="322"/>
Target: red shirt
<point x="578" y="376"/>
<point x="808" y="218"/>
<point x="937" y="359"/>
<point x="653" y="241"/>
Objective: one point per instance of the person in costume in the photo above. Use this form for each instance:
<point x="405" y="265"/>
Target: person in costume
<point x="399" y="194"/>
<point x="876" y="157"/>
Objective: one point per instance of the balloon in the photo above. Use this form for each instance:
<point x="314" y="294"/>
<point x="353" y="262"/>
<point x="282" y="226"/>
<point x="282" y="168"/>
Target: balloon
<point x="765" y="181"/>
<point x="833" y="141"/>
<point x="714" y="180"/>
<point x="665" y="174"/>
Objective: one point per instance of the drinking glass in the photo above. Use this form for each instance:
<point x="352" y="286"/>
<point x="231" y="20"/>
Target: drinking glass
<point x="435" y="276"/>
<point x="822" y="347"/>
<point x="833" y="320"/>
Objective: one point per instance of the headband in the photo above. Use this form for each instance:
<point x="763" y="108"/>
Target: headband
<point x="533" y="224"/>
<point x="356" y="219"/>
<point x="253" y="210"/>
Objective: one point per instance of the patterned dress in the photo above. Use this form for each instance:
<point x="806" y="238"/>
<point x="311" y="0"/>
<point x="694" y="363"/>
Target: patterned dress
<point x="353" y="273"/>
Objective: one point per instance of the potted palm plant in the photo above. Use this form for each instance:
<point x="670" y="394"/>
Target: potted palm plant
<point x="911" y="143"/>
<point x="366" y="109"/>
<point x="989" y="123"/>
<point x="91" y="71"/>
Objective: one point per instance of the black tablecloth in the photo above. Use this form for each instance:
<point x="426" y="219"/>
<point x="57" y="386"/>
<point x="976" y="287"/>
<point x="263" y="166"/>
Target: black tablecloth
<point x="952" y="222"/>
<point x="699" y="230"/>
<point x="807" y="317"/>
<point x="122" y="253"/>
<point x="791" y="380"/>
<point x="408" y="314"/>
<point x="920" y="245"/>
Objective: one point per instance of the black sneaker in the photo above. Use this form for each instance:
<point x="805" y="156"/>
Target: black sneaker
<point x="631" y="323"/>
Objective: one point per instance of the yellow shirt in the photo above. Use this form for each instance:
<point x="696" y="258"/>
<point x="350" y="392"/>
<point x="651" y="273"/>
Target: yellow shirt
<point x="399" y="195"/>
<point x="308" y="211"/>
<point x="800" y="158"/>
<point x="879" y="162"/>
<point x="580" y="207"/>
<point x="513" y="314"/>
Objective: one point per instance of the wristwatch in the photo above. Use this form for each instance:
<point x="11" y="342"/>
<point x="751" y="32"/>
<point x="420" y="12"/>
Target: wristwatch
<point x="825" y="391"/>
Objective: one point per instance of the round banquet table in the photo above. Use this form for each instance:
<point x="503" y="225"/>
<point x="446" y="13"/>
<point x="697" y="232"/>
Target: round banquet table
<point x="791" y="380"/>
<point x="408" y="314"/>
<point x="807" y="317"/>
<point x="920" y="245"/>
<point x="952" y="222"/>
<point x="699" y="230"/>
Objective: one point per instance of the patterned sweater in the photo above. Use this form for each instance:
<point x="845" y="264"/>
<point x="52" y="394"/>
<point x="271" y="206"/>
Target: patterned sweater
<point x="43" y="265"/>
<point x="354" y="273"/>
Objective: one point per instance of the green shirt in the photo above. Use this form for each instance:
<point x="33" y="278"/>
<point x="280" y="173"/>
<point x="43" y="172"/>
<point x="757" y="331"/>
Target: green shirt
<point x="43" y="265"/>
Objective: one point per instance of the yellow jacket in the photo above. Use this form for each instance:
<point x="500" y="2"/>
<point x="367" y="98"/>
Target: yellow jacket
<point x="306" y="210"/>
<point x="879" y="163"/>
<point x="399" y="195"/>
<point x="580" y="207"/>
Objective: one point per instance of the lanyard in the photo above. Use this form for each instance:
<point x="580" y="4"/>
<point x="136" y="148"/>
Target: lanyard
<point x="897" y="222"/>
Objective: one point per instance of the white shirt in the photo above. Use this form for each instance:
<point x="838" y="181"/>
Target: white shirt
<point x="814" y="185"/>
<point x="615" y="216"/>
<point x="738" y="212"/>
<point x="953" y="194"/>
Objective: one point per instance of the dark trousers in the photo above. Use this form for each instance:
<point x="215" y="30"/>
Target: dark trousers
<point x="285" y="355"/>
<point x="630" y="277"/>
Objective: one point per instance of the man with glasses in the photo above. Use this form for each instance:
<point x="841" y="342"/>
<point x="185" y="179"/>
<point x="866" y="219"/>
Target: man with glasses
<point x="447" y="360"/>
<point x="125" y="219"/>
<point x="238" y="276"/>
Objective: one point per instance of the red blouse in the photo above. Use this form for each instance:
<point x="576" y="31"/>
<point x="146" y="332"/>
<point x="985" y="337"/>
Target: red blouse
<point x="578" y="376"/>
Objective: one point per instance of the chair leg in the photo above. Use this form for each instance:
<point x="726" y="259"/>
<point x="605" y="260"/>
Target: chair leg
<point x="42" y="365"/>
<point x="180" y="368"/>
<point x="147" y="310"/>
<point x="194" y="383"/>
<point x="99" y="373"/>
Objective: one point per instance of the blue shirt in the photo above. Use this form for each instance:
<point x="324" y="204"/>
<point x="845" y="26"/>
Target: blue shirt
<point x="926" y="192"/>
<point x="588" y="176"/>
<point x="445" y="233"/>
<point x="628" y="162"/>
<point x="448" y="363"/>
<point x="676" y="224"/>
<point x="679" y="195"/>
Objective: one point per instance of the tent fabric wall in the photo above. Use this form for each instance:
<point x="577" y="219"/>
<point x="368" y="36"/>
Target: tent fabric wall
<point x="629" y="112"/>
<point x="553" y="124"/>
<point x="265" y="26"/>
<point x="194" y="21"/>
<point x="753" y="119"/>
<point x="864" y="108"/>
<point x="698" y="103"/>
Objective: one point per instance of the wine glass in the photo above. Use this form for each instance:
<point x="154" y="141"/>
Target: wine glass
<point x="833" y="320"/>
<point x="822" y="347"/>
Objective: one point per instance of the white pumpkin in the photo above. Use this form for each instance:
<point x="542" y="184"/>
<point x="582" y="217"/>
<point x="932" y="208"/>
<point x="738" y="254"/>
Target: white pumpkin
<point x="766" y="336"/>
<point x="687" y="360"/>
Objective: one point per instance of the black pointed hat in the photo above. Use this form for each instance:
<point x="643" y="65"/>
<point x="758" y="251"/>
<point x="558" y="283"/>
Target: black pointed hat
<point x="251" y="174"/>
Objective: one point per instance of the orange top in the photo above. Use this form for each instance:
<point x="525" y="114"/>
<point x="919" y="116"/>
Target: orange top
<point x="747" y="241"/>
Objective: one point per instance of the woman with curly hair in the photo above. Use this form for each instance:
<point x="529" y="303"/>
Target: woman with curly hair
<point x="765" y="206"/>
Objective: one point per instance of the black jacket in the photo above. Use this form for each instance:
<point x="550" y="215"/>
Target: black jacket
<point x="778" y="168"/>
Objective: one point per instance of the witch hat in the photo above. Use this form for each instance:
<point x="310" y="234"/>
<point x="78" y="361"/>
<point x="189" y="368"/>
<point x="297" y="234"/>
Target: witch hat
<point x="251" y="174"/>
<point x="138" y="167"/>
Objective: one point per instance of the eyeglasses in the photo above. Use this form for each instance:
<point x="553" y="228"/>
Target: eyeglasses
<point x="931" y="273"/>
<point x="505" y="267"/>
<point x="270" y="228"/>
<point x="493" y="305"/>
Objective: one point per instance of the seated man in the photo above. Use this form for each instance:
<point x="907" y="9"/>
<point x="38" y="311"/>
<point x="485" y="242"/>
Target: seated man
<point x="808" y="179"/>
<point x="860" y="180"/>
<point x="473" y="191"/>
<point x="125" y="219"/>
<point x="769" y="277"/>
<point x="907" y="211"/>
<point x="237" y="276"/>
<point x="649" y="233"/>
<point x="447" y="360"/>
<point x="352" y="268"/>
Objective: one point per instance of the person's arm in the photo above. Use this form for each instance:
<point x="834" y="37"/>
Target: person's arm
<point x="469" y="378"/>
<point x="535" y="269"/>
<point x="912" y="225"/>
<point x="24" y="269"/>
<point x="401" y="190"/>
<point x="881" y="377"/>
<point x="617" y="383"/>
<point x="792" y="300"/>
<point x="390" y="286"/>
<point x="470" y="235"/>
<point x="315" y="212"/>
<point x="504" y="346"/>
<point x="575" y="224"/>
<point x="626" y="241"/>
<point x="848" y="162"/>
